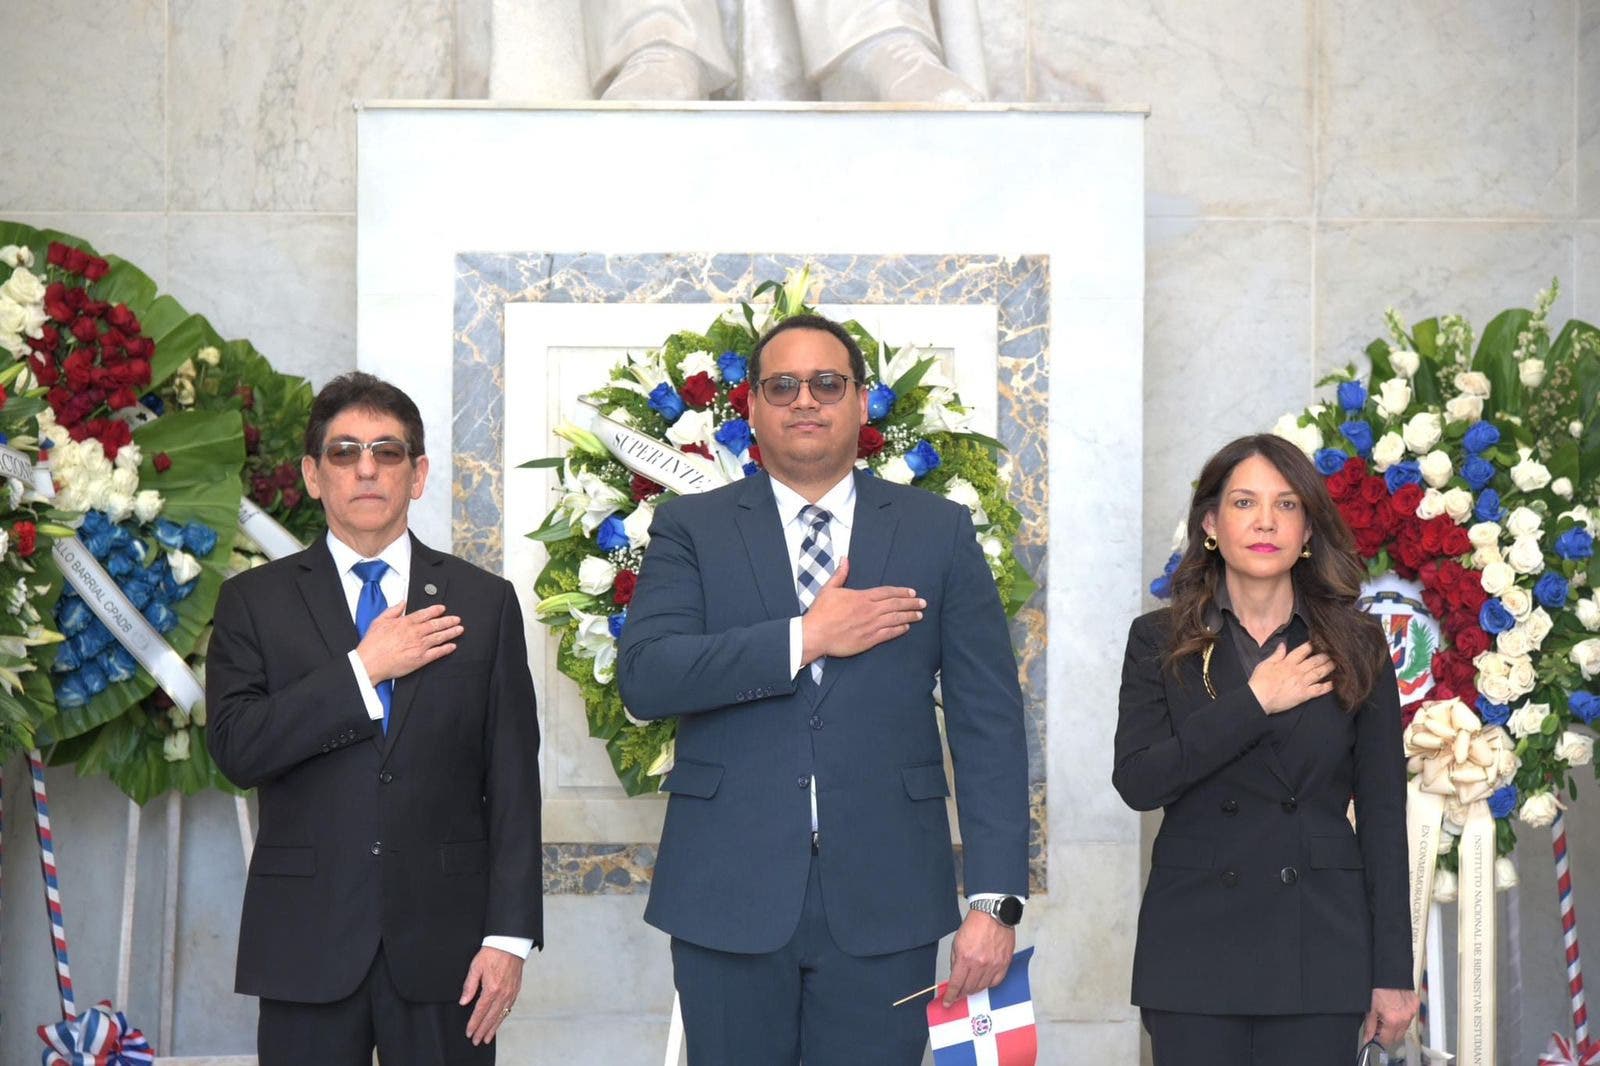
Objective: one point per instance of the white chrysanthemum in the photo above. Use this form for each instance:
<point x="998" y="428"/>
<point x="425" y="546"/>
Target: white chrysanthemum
<point x="146" y="505"/>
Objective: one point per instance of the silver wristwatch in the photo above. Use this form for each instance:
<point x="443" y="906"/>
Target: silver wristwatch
<point x="1007" y="910"/>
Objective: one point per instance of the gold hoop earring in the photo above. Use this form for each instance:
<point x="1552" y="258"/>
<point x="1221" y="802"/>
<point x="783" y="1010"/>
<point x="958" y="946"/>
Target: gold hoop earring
<point x="1305" y="553"/>
<point x="1210" y="543"/>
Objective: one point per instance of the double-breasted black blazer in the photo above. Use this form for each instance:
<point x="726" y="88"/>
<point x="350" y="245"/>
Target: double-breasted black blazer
<point x="425" y="839"/>
<point x="1261" y="898"/>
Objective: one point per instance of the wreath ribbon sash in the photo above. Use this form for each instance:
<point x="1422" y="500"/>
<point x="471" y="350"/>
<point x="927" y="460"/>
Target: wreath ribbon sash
<point x="665" y="465"/>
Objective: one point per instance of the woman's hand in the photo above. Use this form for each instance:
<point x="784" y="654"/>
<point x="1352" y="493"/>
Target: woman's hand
<point x="1286" y="679"/>
<point x="1391" y="1013"/>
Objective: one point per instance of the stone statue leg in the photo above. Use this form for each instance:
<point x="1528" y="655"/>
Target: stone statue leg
<point x="877" y="50"/>
<point x="656" y="49"/>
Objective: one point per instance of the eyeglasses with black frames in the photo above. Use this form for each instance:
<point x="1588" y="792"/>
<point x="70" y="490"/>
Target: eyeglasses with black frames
<point x="386" y="452"/>
<point x="781" y="390"/>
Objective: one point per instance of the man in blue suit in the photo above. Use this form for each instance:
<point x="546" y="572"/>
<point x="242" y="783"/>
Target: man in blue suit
<point x="797" y="622"/>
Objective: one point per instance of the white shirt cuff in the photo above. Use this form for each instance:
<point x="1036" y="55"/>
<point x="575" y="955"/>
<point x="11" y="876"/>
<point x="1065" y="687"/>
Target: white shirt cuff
<point x="368" y="694"/>
<point x="992" y="895"/>
<point x="515" y="945"/>
<point x="797" y="646"/>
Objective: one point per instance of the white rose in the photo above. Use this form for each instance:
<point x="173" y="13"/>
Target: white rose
<point x="1528" y="719"/>
<point x="209" y="355"/>
<point x="1531" y="372"/>
<point x="1562" y="486"/>
<point x="1497" y="577"/>
<point x="13" y="316"/>
<point x="1388" y="450"/>
<point x="700" y="363"/>
<point x="637" y="525"/>
<point x="24" y="287"/>
<point x="1307" y="438"/>
<point x="1458" y="505"/>
<point x="1496" y="687"/>
<point x="176" y="747"/>
<point x="1394" y="396"/>
<point x="1517" y="600"/>
<point x="146" y="505"/>
<point x="1538" y="625"/>
<point x="1463" y="408"/>
<point x="897" y="470"/>
<point x="1530" y="475"/>
<point x="1505" y="874"/>
<point x="1473" y="383"/>
<point x="1589" y="613"/>
<point x="1444" y="886"/>
<point x="1431" y="505"/>
<point x="596" y="575"/>
<point x="1486" y="556"/>
<point x="962" y="491"/>
<point x="1524" y="522"/>
<point x="1423" y="431"/>
<point x="15" y="255"/>
<point x="1404" y="361"/>
<point x="1484" y="534"/>
<point x="1514" y="641"/>
<point x="1539" y="810"/>
<point x="1521" y="678"/>
<point x="184" y="566"/>
<point x="1575" y="748"/>
<point x="1586" y="654"/>
<point x="1436" y="468"/>
<point x="692" y="427"/>
<point x="1525" y="555"/>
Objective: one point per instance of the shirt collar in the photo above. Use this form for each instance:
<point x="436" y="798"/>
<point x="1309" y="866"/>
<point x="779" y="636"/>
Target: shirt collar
<point x="1221" y="602"/>
<point x="839" y="501"/>
<point x="397" y="554"/>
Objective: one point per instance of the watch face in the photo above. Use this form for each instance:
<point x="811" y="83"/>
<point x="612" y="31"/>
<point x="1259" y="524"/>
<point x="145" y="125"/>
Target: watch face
<point x="1010" y="910"/>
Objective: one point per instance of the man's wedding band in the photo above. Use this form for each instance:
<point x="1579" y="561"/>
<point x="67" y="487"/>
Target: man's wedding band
<point x="505" y="1012"/>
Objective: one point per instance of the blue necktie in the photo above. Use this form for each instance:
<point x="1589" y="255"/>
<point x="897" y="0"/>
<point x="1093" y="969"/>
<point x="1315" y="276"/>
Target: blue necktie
<point x="369" y="605"/>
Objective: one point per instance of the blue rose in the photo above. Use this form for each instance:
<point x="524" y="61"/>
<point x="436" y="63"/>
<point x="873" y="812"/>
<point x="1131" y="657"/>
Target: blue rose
<point x="733" y="366"/>
<point x="922" y="459"/>
<point x="66" y="658"/>
<point x="122" y="539"/>
<point x="751" y="470"/>
<point x="1161" y="588"/>
<point x="1359" y="434"/>
<point x="160" y="616"/>
<point x="1494" y="617"/>
<point x="1329" y="461"/>
<point x="98" y="541"/>
<point x="169" y="533"/>
<point x="1352" y="396"/>
<point x="1402" y="474"/>
<point x="118" y="664"/>
<point x="93" y="678"/>
<point x="94" y="639"/>
<point x="71" y="693"/>
<point x="611" y="535"/>
<point x="1551" y="590"/>
<point x="152" y="401"/>
<point x="1493" y="713"/>
<point x="1504" y="801"/>
<point x="1575" y="543"/>
<point x="880" y="401"/>
<point x="1481" y="437"/>
<point x="1478" y="472"/>
<point x="199" y="538"/>
<point x="138" y="595"/>
<point x="72" y="615"/>
<point x="1488" y="508"/>
<point x="734" y="435"/>
<point x="664" y="400"/>
<point x="616" y="622"/>
<point x="120" y="565"/>
<point x="1585" y="706"/>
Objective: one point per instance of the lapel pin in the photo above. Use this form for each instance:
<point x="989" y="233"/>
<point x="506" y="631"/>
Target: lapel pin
<point x="431" y="589"/>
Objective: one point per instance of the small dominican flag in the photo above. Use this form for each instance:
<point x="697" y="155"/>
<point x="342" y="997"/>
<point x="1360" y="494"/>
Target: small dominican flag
<point x="989" y="1028"/>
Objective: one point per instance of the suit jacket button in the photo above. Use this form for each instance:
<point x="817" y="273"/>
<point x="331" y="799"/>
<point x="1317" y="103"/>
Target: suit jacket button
<point x="386" y="777"/>
<point x="804" y="781"/>
<point x="1289" y="875"/>
<point x="377" y="847"/>
<point x="1229" y="878"/>
<point x="1289" y="805"/>
<point x="1230" y="806"/>
<point x="816" y="721"/>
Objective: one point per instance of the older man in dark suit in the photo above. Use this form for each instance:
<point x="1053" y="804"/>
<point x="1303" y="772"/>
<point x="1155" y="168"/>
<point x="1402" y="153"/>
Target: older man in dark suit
<point x="796" y="623"/>
<point x="376" y="693"/>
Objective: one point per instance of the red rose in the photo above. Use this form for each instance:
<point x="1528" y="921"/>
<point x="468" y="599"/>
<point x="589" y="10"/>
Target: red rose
<point x="739" y="397"/>
<point x="698" y="391"/>
<point x="1472" y="595"/>
<point x="123" y="319"/>
<point x="1428" y="574"/>
<point x="142" y="348"/>
<point x="55" y="303"/>
<point x="78" y="300"/>
<point x="1433" y="599"/>
<point x="123" y="397"/>
<point x="113" y="435"/>
<point x="57" y="254"/>
<point x="139" y="369"/>
<point x="286" y="475"/>
<point x="77" y="367"/>
<point x="1374" y="491"/>
<point x="1357" y="515"/>
<point x="1472" y="642"/>
<point x="262" y="490"/>
<point x="76" y="260"/>
<point x="25" y="535"/>
<point x="247" y="397"/>
<point x="112" y="340"/>
<point x="1404" y="503"/>
<point x="85" y="329"/>
<point x="755" y="454"/>
<point x="95" y="268"/>
<point x="162" y="462"/>
<point x="1456" y="541"/>
<point x="869" y="442"/>
<point x="252" y="439"/>
<point x="291" y="498"/>
<point x="622" y="587"/>
<point x="642" y="488"/>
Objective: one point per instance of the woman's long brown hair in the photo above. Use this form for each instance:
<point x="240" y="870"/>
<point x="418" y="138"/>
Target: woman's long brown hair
<point x="1326" y="584"/>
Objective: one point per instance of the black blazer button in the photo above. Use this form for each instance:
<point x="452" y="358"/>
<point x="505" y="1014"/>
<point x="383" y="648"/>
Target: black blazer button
<point x="1230" y="806"/>
<point x="377" y="847"/>
<point x="386" y="777"/>
<point x="1229" y="878"/>
<point x="1289" y="805"/>
<point x="803" y="781"/>
<point x="1289" y="875"/>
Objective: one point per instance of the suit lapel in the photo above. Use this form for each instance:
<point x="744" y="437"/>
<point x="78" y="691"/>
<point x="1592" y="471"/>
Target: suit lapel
<point x="323" y="591"/>
<point x="765" y="548"/>
<point x="425" y="588"/>
<point x="1227" y="674"/>
<point x="871" y="535"/>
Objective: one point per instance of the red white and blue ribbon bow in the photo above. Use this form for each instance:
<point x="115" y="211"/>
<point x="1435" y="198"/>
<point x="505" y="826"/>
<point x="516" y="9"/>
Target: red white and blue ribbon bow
<point x="99" y="1037"/>
<point x="1562" y="1052"/>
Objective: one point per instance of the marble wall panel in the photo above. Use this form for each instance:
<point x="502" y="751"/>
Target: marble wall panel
<point x="1446" y="109"/>
<point x="1228" y="84"/>
<point x="1086" y="929"/>
<point x="474" y="49"/>
<point x="139" y="238"/>
<point x="1228" y="348"/>
<point x="83" y="118"/>
<point x="1422" y="269"/>
<point x="1586" y="273"/>
<point x="261" y="94"/>
<point x="537" y="51"/>
<point x="210" y="899"/>
<point x="1006" y="44"/>
<point x="285" y="282"/>
<point x="1588" y="104"/>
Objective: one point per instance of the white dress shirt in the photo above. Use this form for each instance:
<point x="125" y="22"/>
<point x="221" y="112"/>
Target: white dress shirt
<point x="395" y="583"/>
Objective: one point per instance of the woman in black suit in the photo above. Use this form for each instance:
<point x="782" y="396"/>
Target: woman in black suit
<point x="1251" y="711"/>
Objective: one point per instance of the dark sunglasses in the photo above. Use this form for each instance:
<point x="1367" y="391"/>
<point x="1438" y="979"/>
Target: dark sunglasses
<point x="783" y="389"/>
<point x="386" y="452"/>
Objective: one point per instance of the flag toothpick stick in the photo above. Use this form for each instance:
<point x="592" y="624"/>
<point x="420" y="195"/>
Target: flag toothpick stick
<point x="914" y="995"/>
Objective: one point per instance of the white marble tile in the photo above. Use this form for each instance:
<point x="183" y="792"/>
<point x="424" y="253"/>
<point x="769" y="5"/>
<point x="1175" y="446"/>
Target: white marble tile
<point x="538" y="51"/>
<point x="1227" y="83"/>
<point x="474" y="49"/>
<point x="1446" y="109"/>
<point x="1078" y="1043"/>
<point x="284" y="282"/>
<point x="261" y="94"/>
<point x="1227" y="350"/>
<point x="1084" y="928"/>
<point x="1005" y="47"/>
<point x="618" y="1038"/>
<point x="82" y="123"/>
<point x="141" y="239"/>
<point x="1586" y="273"/>
<point x="1588" y="97"/>
<point x="567" y="979"/>
<point x="1424" y="269"/>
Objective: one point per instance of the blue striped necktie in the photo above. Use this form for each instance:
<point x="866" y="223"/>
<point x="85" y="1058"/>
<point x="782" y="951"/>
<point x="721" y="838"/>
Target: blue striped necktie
<point x="369" y="605"/>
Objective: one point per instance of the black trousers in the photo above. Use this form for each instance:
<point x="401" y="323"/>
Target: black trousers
<point x="807" y="1000"/>
<point x="1252" y="1040"/>
<point x="375" y="1015"/>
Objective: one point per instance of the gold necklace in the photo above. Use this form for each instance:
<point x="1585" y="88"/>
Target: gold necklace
<point x="1205" y="668"/>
